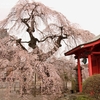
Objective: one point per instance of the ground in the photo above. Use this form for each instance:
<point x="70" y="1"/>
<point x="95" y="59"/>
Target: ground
<point x="5" y="95"/>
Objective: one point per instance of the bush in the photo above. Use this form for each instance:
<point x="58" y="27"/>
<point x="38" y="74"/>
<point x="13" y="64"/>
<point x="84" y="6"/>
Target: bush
<point x="92" y="86"/>
<point x="84" y="97"/>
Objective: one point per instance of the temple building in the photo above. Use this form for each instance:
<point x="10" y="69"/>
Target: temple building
<point x="90" y="51"/>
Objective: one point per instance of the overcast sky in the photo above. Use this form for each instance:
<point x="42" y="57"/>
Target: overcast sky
<point x="86" y="13"/>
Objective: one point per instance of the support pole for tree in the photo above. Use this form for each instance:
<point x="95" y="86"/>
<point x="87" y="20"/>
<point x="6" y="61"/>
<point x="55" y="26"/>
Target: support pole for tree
<point x="79" y="76"/>
<point x="90" y="65"/>
<point x="35" y="86"/>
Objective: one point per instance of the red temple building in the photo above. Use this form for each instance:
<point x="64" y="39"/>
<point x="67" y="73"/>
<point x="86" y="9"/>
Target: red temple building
<point x="91" y="51"/>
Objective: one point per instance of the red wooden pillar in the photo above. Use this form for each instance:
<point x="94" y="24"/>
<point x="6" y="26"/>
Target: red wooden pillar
<point x="90" y="65"/>
<point x="79" y="76"/>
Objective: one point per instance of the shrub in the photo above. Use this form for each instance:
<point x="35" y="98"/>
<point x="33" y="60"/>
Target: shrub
<point x="84" y="97"/>
<point x="92" y="86"/>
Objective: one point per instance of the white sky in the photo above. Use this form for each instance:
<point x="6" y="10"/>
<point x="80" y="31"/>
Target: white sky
<point x="86" y="13"/>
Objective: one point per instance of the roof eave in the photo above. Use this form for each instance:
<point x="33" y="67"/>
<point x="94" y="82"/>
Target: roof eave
<point x="73" y="50"/>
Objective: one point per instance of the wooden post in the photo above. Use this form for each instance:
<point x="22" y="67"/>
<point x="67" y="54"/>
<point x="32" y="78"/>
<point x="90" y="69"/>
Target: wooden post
<point x="90" y="65"/>
<point x="79" y="76"/>
<point x="35" y="85"/>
